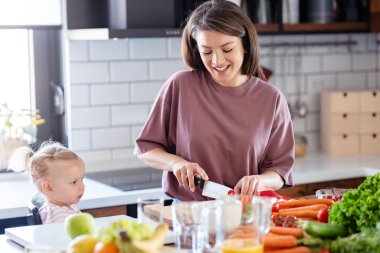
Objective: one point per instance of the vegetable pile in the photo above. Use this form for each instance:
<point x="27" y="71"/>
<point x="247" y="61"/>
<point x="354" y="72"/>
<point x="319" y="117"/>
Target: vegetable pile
<point x="360" y="208"/>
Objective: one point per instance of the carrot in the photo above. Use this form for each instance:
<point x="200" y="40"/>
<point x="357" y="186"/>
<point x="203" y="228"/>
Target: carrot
<point x="304" y="202"/>
<point x="315" y="207"/>
<point x="301" y="214"/>
<point x="298" y="249"/>
<point x="297" y="232"/>
<point x="280" y="241"/>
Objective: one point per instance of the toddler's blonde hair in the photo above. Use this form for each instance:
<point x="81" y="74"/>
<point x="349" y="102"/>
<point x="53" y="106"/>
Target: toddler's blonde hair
<point x="39" y="163"/>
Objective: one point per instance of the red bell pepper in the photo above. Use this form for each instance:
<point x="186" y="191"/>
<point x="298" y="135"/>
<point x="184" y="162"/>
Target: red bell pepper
<point x="270" y="193"/>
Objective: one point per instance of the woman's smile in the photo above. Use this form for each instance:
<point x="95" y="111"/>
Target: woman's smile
<point x="223" y="56"/>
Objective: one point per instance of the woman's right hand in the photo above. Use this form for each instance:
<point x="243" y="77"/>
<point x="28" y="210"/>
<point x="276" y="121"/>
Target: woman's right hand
<point x="185" y="171"/>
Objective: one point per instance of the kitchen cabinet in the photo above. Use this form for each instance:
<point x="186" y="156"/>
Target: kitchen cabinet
<point x="30" y="14"/>
<point x="310" y="189"/>
<point x="350" y="122"/>
<point x="89" y="20"/>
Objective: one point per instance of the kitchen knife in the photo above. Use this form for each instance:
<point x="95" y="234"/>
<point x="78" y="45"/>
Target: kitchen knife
<point x="212" y="189"/>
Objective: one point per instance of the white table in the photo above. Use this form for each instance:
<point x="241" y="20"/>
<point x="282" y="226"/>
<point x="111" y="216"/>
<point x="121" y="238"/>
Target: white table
<point x="53" y="235"/>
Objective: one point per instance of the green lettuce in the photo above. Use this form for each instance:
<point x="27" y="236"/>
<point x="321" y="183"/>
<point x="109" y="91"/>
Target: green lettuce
<point x="359" y="208"/>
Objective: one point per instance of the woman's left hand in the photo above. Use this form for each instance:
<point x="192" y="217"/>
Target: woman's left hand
<point x="248" y="185"/>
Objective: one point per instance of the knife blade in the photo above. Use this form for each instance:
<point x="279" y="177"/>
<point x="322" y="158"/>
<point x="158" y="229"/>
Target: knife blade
<point x="212" y="189"/>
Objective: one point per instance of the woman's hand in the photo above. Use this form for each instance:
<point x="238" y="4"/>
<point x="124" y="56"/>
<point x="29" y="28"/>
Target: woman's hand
<point x="249" y="185"/>
<point x="185" y="172"/>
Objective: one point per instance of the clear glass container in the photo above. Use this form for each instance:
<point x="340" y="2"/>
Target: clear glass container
<point x="333" y="193"/>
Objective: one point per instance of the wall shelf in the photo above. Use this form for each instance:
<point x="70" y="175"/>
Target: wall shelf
<point x="329" y="27"/>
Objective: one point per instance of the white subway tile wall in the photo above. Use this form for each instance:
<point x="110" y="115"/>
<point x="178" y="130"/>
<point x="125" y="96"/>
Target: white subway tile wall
<point x="114" y="83"/>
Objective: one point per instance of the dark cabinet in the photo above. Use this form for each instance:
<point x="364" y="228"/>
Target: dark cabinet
<point x="85" y="14"/>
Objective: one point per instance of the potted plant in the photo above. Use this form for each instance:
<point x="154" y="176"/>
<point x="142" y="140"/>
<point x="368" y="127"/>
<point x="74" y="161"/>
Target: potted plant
<point x="17" y="128"/>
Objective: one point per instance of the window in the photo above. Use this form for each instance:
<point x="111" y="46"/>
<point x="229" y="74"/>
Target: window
<point x="16" y="84"/>
<point x="30" y="63"/>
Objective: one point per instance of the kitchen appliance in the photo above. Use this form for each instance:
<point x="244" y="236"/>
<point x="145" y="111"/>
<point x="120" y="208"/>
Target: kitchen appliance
<point x="212" y="189"/>
<point x="290" y="11"/>
<point x="320" y="11"/>
<point x="136" y="14"/>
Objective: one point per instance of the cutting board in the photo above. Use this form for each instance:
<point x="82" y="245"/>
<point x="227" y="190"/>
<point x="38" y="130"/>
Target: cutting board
<point x="54" y="235"/>
<point x="153" y="212"/>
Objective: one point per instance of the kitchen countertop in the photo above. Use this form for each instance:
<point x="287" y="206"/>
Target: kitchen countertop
<point x="16" y="189"/>
<point x="318" y="167"/>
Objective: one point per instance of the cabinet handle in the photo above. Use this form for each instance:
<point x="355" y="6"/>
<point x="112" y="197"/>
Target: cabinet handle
<point x="345" y="94"/>
<point x="374" y="114"/>
<point x="344" y="115"/>
<point x="374" y="136"/>
<point x="374" y="93"/>
<point x="344" y="136"/>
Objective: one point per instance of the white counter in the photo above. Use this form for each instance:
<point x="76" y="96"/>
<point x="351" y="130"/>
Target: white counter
<point x="15" y="189"/>
<point x="318" y="167"/>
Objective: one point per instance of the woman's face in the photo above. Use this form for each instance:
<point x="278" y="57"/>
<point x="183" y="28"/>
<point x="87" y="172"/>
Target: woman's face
<point x="222" y="56"/>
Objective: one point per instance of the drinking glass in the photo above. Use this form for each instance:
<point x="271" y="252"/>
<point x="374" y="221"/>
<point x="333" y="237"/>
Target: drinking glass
<point x="212" y="215"/>
<point x="262" y="210"/>
<point x="39" y="249"/>
<point x="255" y="217"/>
<point x="189" y="226"/>
<point x="145" y="213"/>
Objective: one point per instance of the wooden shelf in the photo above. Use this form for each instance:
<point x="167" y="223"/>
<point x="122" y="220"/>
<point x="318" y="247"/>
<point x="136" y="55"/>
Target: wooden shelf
<point x="267" y="28"/>
<point x="330" y="27"/>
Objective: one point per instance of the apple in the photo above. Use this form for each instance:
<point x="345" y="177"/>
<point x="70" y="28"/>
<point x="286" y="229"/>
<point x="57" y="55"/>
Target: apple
<point x="79" y="224"/>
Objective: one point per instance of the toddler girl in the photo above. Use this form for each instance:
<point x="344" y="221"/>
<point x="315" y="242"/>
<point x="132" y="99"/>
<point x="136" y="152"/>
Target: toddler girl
<point x="58" y="174"/>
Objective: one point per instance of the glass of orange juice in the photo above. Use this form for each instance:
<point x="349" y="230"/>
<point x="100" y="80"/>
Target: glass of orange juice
<point x="242" y="245"/>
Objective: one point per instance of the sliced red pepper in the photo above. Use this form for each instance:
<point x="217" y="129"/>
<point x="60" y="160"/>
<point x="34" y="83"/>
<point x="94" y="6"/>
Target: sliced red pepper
<point x="231" y="192"/>
<point x="270" y="193"/>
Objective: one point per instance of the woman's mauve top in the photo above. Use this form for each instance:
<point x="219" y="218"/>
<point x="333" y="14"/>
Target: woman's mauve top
<point x="231" y="132"/>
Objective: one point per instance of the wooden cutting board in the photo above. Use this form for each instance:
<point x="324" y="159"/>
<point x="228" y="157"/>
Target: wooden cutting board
<point x="153" y="212"/>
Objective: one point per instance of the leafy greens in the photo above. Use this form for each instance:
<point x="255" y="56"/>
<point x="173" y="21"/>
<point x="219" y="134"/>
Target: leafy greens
<point x="360" y="208"/>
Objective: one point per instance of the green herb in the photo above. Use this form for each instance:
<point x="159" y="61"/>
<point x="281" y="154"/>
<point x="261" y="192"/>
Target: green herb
<point x="360" y="208"/>
<point x="367" y="241"/>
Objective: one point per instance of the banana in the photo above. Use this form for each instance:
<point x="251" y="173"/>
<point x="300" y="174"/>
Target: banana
<point x="151" y="245"/>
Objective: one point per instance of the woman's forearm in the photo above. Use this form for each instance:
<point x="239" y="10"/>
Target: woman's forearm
<point x="160" y="159"/>
<point x="271" y="180"/>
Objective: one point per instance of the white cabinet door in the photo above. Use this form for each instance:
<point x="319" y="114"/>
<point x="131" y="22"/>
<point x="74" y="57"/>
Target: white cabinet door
<point x="30" y="13"/>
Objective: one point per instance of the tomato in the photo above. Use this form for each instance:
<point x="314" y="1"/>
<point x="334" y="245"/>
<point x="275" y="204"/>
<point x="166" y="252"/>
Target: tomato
<point x="110" y="247"/>
<point x="275" y="207"/>
<point x="277" y="219"/>
<point x="323" y="251"/>
<point x="323" y="215"/>
<point x="290" y="222"/>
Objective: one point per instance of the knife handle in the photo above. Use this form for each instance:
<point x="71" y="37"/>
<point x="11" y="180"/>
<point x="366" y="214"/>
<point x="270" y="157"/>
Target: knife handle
<point x="199" y="182"/>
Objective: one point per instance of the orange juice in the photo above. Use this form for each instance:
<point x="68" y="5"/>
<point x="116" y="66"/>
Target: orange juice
<point x="241" y="246"/>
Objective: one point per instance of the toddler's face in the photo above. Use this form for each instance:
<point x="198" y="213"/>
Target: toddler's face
<point x="67" y="182"/>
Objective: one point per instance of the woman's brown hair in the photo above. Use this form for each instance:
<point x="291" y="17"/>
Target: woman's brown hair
<point x="224" y="17"/>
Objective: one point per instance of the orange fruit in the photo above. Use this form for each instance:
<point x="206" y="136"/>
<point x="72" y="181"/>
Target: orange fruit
<point x="102" y="247"/>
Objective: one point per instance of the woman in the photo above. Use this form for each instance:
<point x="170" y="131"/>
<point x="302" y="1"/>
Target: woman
<point x="219" y="121"/>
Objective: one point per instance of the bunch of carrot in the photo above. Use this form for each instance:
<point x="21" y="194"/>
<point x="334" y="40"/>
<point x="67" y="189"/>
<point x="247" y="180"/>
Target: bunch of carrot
<point x="302" y="208"/>
<point x="278" y="240"/>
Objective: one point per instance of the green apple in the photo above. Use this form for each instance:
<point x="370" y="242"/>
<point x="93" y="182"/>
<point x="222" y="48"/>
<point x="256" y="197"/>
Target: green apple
<point x="79" y="224"/>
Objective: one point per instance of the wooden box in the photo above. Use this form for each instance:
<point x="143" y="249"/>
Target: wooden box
<point x="350" y="122"/>
<point x="370" y="144"/>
